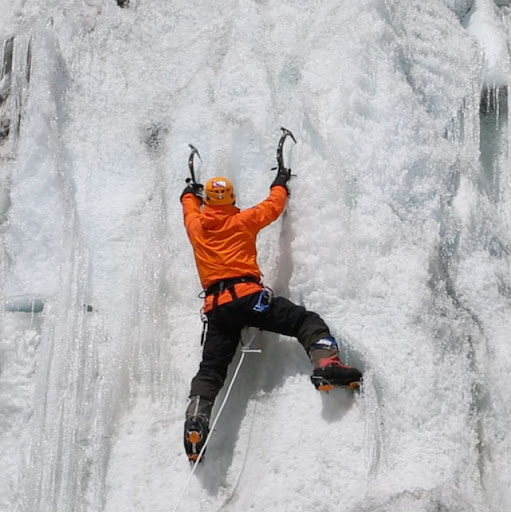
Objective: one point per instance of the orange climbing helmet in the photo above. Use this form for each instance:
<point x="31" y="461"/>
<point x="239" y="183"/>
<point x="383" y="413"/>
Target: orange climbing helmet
<point x="219" y="191"/>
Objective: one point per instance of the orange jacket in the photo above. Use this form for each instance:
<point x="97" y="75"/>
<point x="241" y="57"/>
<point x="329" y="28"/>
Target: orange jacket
<point x="224" y="240"/>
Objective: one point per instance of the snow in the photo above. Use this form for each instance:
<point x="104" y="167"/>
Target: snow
<point x="491" y="30"/>
<point x="397" y="232"/>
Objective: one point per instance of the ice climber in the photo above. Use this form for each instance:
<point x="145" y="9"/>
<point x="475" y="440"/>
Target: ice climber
<point x="224" y="244"/>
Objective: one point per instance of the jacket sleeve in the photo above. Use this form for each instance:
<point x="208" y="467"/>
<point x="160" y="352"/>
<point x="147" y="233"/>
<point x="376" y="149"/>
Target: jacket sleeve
<point x="265" y="212"/>
<point x="191" y="213"/>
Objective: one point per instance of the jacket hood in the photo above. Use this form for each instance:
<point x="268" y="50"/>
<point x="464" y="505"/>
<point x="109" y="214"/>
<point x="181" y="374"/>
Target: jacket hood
<point x="214" y="217"/>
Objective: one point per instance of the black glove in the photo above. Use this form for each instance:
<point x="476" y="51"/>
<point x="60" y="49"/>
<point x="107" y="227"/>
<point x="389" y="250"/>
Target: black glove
<point x="283" y="176"/>
<point x="197" y="189"/>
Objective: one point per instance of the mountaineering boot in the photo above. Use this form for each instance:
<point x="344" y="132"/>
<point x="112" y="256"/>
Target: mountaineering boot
<point x="197" y="415"/>
<point x="328" y="370"/>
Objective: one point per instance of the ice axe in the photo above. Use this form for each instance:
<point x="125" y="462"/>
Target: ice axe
<point x="280" y="158"/>
<point x="194" y="151"/>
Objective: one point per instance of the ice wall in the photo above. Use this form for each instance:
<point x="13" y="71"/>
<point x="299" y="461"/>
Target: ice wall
<point x="397" y="232"/>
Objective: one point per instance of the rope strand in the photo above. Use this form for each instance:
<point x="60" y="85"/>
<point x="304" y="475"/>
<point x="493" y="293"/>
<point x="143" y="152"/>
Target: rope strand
<point x="196" y="463"/>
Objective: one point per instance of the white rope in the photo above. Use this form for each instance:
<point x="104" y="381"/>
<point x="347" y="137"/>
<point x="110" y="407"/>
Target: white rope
<point x="245" y="458"/>
<point x="196" y="463"/>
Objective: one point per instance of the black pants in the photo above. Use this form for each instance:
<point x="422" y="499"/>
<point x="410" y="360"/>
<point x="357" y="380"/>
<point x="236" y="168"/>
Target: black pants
<point x="225" y="323"/>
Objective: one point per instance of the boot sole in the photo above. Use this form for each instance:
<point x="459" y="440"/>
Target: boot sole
<point x="322" y="384"/>
<point x="194" y="437"/>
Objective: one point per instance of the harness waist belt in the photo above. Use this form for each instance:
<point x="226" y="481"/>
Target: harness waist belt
<point x="225" y="284"/>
